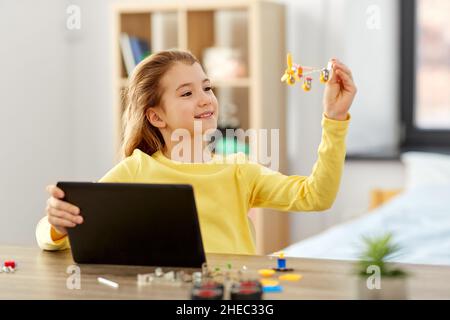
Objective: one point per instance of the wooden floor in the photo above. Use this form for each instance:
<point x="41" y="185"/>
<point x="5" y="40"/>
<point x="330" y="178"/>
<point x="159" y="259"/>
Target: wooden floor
<point x="43" y="275"/>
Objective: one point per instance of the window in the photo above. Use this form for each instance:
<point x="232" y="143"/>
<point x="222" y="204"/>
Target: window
<point x="425" y="74"/>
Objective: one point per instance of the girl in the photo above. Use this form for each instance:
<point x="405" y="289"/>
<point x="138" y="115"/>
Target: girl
<point x="168" y="91"/>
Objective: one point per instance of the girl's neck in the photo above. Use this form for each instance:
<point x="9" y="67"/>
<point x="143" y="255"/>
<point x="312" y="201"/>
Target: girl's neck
<point x="194" y="155"/>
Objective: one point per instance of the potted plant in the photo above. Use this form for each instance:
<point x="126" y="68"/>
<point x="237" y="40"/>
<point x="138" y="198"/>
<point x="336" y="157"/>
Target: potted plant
<point x="377" y="278"/>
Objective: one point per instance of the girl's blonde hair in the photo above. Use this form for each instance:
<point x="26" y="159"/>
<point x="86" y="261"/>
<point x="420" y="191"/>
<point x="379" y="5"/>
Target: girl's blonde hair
<point x="144" y="91"/>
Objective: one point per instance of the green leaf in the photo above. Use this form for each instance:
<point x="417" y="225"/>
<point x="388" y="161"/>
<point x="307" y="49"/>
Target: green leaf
<point x="376" y="251"/>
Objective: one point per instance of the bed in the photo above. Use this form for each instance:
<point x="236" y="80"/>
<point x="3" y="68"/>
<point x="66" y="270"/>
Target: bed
<point x="418" y="218"/>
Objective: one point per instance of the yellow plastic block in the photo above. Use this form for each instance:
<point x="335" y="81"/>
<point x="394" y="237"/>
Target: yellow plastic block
<point x="266" y="272"/>
<point x="290" y="277"/>
<point x="268" y="282"/>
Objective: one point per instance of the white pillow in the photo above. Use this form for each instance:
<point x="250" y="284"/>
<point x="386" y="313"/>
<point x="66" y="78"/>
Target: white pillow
<point x="425" y="169"/>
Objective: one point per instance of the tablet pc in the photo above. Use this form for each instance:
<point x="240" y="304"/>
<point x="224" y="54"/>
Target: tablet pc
<point x="135" y="224"/>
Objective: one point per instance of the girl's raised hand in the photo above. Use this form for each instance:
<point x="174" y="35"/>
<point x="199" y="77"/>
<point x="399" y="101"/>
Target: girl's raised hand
<point x="61" y="214"/>
<point x="339" y="92"/>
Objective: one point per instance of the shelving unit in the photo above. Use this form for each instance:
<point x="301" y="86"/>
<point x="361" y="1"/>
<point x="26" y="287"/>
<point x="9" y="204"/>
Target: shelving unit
<point x="258" y="96"/>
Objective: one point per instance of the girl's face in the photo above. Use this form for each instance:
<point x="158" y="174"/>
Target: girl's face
<point x="187" y="97"/>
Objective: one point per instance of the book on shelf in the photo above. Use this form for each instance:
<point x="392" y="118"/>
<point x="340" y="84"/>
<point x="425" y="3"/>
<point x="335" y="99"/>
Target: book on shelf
<point x="134" y="50"/>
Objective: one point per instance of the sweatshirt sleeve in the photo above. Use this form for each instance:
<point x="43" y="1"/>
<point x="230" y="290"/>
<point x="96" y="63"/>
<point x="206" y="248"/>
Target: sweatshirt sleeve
<point x="317" y="192"/>
<point x="49" y="239"/>
<point x="45" y="234"/>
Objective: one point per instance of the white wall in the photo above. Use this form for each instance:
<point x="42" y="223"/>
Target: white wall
<point x="36" y="134"/>
<point x="56" y="105"/>
<point x="90" y="62"/>
<point x="56" y="118"/>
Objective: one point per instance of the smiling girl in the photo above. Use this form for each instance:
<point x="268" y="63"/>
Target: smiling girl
<point x="169" y="91"/>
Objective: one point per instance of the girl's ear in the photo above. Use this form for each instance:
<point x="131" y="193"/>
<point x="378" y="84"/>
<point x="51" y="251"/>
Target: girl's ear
<point x="154" y="118"/>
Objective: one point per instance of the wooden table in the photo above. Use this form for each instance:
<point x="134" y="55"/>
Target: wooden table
<point x="43" y="275"/>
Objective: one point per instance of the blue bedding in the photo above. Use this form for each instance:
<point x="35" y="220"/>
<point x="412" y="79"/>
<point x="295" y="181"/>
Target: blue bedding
<point x="419" y="220"/>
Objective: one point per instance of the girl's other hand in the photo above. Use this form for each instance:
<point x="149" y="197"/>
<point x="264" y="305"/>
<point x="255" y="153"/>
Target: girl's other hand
<point x="61" y="214"/>
<point x="339" y="92"/>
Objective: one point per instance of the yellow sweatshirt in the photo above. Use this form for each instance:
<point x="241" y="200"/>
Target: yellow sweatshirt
<point x="224" y="193"/>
